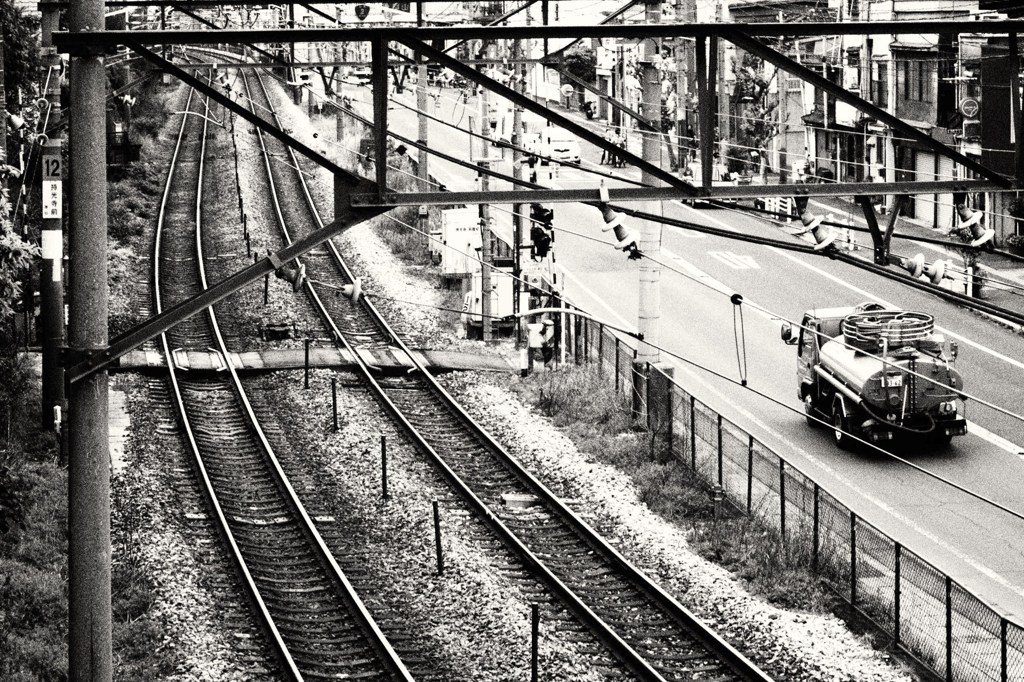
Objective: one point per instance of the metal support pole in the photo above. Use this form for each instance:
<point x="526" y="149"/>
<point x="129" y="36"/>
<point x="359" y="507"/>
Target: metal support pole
<point x="519" y="83"/>
<point x="437" y="538"/>
<point x="305" y="371"/>
<point x="485" y="226"/>
<point x="949" y="629"/>
<point x="649" y="307"/>
<point x="534" y="642"/>
<point x="693" y="433"/>
<point x="384" y="480"/>
<point x="51" y="285"/>
<point x="89" y="618"/>
<point x="1015" y="111"/>
<point x="897" y="593"/>
<point x="379" y="56"/>
<point x="782" y="500"/>
<point x="720" y="454"/>
<point x="816" y="531"/>
<point x="422" y="159"/>
<point x="853" y="559"/>
<point x="293" y="73"/>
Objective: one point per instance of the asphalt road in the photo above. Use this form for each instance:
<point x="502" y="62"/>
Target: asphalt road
<point x="979" y="545"/>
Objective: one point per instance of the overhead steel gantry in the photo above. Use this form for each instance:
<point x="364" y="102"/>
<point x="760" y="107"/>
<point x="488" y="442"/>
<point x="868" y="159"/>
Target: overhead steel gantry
<point x="90" y="352"/>
<point x="372" y="198"/>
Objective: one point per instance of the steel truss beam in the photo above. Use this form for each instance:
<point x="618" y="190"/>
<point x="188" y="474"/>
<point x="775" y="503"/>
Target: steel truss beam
<point x="99" y="40"/>
<point x="392" y="199"/>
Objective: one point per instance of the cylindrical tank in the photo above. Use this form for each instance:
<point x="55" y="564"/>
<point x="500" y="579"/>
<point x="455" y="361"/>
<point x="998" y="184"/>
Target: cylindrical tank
<point x="889" y="385"/>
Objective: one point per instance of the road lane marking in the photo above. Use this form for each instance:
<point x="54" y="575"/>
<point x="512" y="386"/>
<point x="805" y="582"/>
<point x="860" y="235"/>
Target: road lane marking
<point x="793" y="447"/>
<point x="736" y="261"/>
<point x="980" y="431"/>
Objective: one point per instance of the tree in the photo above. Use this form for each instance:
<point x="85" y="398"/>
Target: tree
<point x="581" y="61"/>
<point x="758" y="121"/>
<point x="20" y="66"/>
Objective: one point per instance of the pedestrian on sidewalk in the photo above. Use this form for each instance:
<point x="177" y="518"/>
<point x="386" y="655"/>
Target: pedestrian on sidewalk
<point x="605" y="154"/>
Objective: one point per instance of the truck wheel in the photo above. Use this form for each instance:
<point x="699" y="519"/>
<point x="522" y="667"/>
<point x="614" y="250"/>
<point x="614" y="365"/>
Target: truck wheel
<point x="841" y="426"/>
<point x="811" y="411"/>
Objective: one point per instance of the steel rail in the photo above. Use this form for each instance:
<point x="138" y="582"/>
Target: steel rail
<point x="389" y="660"/>
<point x="262" y="612"/>
<point x="721" y="649"/>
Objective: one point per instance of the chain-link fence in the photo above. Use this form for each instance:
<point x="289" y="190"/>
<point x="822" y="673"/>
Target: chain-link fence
<point x="928" y="614"/>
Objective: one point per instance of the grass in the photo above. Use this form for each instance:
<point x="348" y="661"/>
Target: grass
<point x="587" y="408"/>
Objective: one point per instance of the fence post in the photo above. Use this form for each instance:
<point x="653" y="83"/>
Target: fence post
<point x="782" y="500"/>
<point x="720" y="456"/>
<point x="693" y="433"/>
<point x="853" y="559"/>
<point x="618" y="379"/>
<point x="816" y="541"/>
<point x="949" y="629"/>
<point x="586" y="340"/>
<point x="897" y="593"/>
<point x="1004" y="673"/>
<point x="750" y="474"/>
<point x="600" y="350"/>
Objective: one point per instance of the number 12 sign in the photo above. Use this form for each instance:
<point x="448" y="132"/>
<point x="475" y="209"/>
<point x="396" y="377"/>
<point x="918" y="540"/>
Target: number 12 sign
<point x="52" y="185"/>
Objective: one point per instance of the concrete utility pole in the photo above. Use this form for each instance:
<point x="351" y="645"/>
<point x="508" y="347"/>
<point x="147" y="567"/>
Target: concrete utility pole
<point x="649" y="316"/>
<point x="485" y="224"/>
<point x="89" y="650"/>
<point x="3" y="116"/>
<point x="519" y="85"/>
<point x="421" y="107"/>
<point x="51" y="288"/>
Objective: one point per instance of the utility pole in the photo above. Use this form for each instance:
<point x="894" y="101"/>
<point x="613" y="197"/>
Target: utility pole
<point x="485" y="222"/>
<point x="421" y="117"/>
<point x="724" y="122"/>
<point x="519" y="85"/>
<point x="89" y="624"/>
<point x="51" y="288"/>
<point x="649" y="323"/>
<point x="3" y="122"/>
<point x="293" y="72"/>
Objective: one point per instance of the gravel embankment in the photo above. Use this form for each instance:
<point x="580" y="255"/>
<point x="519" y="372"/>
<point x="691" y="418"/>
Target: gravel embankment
<point x="476" y="617"/>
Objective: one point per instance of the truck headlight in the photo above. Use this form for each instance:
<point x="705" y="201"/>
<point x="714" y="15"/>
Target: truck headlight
<point x="947" y="407"/>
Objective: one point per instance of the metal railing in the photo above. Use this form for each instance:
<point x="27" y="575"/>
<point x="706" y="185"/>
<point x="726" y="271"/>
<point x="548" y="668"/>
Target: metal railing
<point x="928" y="614"/>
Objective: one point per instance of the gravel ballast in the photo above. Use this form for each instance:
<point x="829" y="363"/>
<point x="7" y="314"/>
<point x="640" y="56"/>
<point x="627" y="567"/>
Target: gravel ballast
<point x="491" y="641"/>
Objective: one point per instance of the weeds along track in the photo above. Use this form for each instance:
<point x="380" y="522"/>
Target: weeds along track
<point x="315" y="623"/>
<point x="644" y="629"/>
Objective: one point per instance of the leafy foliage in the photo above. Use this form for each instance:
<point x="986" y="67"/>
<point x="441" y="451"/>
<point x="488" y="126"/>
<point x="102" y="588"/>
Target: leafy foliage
<point x="21" y="60"/>
<point x="581" y="62"/>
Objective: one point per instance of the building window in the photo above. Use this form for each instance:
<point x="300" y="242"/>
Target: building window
<point x="880" y="84"/>
<point x="915" y="80"/>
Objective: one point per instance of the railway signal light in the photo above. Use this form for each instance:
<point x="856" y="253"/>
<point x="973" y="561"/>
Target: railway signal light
<point x="823" y="236"/>
<point x="296" y="275"/>
<point x="540" y="230"/>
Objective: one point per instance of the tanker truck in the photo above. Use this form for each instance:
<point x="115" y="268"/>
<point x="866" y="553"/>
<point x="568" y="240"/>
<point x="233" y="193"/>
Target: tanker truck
<point x="878" y="374"/>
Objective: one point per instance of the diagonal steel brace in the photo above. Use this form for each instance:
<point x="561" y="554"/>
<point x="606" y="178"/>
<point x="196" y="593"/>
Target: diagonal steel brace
<point x="545" y="113"/>
<point x="759" y="49"/>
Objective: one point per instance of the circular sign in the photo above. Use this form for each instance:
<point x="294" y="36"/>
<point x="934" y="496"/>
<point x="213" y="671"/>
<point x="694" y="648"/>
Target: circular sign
<point x="567" y="90"/>
<point x="969" y="107"/>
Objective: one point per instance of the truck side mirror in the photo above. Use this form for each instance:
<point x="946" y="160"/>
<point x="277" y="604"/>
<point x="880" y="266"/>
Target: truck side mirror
<point x="787" y="334"/>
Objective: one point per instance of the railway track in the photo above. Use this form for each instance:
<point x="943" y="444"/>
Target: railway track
<point x="314" y="621"/>
<point x="648" y="632"/>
